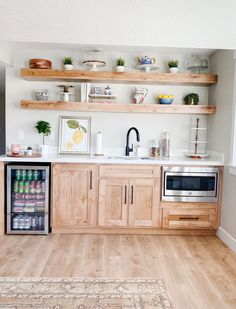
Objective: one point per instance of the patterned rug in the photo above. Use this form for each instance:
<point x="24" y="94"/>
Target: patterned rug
<point x="75" y="293"/>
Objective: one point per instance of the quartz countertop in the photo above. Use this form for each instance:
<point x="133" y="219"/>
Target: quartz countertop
<point x="215" y="159"/>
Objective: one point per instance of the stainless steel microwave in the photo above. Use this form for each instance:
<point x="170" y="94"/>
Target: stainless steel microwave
<point x="190" y="184"/>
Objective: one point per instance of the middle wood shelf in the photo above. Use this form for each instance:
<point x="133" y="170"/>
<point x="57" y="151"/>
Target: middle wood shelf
<point x="118" y="107"/>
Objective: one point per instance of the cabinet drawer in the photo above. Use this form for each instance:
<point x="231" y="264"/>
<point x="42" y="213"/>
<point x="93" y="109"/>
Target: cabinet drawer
<point x="189" y="219"/>
<point x="129" y="171"/>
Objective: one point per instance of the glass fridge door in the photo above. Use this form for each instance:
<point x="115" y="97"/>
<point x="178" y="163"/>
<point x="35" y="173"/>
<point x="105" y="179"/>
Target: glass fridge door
<point x="27" y="199"/>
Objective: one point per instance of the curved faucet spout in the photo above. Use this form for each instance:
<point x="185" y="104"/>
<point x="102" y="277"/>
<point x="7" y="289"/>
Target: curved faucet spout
<point x="127" y="148"/>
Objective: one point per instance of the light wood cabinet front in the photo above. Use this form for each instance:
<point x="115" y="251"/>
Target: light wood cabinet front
<point x="144" y="203"/>
<point x="129" y="196"/>
<point x="184" y="218"/>
<point x="113" y="202"/>
<point x="74" y="195"/>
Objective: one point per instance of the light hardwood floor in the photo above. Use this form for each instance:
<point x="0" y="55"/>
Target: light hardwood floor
<point x="199" y="272"/>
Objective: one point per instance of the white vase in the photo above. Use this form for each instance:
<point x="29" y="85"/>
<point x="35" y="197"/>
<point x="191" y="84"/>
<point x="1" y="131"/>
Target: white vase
<point x="44" y="150"/>
<point x="120" y="68"/>
<point x="66" y="96"/>
<point x="68" y="67"/>
<point x="174" y="70"/>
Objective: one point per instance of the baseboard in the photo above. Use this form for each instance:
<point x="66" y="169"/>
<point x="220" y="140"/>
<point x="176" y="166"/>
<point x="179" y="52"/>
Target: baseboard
<point x="226" y="238"/>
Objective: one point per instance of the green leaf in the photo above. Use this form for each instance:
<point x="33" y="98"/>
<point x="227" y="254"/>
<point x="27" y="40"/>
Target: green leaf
<point x="73" y="124"/>
<point x="84" y="129"/>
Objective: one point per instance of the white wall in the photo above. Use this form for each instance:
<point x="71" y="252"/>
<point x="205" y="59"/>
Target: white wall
<point x="220" y="131"/>
<point x="113" y="125"/>
<point x="179" y="23"/>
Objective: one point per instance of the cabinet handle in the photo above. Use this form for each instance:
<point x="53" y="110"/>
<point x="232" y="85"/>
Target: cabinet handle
<point x="125" y="195"/>
<point x="91" y="181"/>
<point x="189" y="218"/>
<point x="132" y="195"/>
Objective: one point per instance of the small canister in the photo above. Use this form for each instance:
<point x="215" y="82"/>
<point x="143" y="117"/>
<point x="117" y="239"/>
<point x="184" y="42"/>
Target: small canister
<point x="155" y="149"/>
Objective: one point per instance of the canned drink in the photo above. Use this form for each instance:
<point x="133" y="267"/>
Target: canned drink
<point x="21" y="222"/>
<point x="36" y="175"/>
<point x="18" y="174"/>
<point x="33" y="222"/>
<point x="16" y="186"/>
<point x="43" y="175"/>
<point x="32" y="187"/>
<point x="15" y="223"/>
<point x="23" y="175"/>
<point x="38" y="187"/>
<point x="43" y="186"/>
<point x="29" y="175"/>
<point x="27" y="222"/>
<point x="41" y="222"/>
<point x="21" y="187"/>
<point x="27" y="187"/>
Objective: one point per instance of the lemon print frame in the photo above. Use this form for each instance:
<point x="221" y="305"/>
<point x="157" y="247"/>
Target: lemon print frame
<point x="74" y="135"/>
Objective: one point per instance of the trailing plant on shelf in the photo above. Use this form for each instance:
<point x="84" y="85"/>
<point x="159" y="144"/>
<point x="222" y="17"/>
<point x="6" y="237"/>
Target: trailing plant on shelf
<point x="68" y="63"/>
<point x="120" y="65"/>
<point x="191" y="99"/>
<point x="173" y="66"/>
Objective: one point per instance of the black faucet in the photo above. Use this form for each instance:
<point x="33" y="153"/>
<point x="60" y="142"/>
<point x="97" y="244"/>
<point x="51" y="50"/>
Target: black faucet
<point x="127" y="149"/>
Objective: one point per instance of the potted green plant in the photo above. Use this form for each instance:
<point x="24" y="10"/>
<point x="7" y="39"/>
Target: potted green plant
<point x="173" y="66"/>
<point x="120" y="65"/>
<point x="29" y="151"/>
<point x="43" y="127"/>
<point x="191" y="99"/>
<point x="68" y="63"/>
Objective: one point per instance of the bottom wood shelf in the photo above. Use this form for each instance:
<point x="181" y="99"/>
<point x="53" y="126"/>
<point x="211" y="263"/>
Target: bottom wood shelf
<point x="119" y="108"/>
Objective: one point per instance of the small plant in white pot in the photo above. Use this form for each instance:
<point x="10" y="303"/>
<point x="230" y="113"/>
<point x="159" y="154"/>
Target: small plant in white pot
<point x="68" y="63"/>
<point x="44" y="128"/>
<point x="29" y="151"/>
<point x="120" y="65"/>
<point x="173" y="66"/>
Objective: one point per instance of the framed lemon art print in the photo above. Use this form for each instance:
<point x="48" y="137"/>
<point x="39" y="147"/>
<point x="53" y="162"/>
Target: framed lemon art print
<point x="74" y="135"/>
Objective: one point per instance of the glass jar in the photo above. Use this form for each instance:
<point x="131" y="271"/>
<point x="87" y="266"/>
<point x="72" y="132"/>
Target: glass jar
<point x="155" y="148"/>
<point x="166" y="144"/>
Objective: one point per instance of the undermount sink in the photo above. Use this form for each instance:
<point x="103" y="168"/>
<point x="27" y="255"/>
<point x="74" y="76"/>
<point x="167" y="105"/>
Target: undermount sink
<point x="129" y="158"/>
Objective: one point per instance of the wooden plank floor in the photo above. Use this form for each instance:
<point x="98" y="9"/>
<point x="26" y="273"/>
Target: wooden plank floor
<point x="199" y="271"/>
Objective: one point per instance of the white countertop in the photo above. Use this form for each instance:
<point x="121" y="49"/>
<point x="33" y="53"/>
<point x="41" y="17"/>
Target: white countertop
<point x="213" y="159"/>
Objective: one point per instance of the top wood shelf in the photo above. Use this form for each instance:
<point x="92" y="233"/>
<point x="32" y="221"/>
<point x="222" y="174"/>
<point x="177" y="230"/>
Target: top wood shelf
<point x="124" y="77"/>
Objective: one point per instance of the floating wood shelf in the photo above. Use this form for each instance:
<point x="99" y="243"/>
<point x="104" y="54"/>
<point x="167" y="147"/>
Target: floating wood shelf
<point x="119" y="108"/>
<point x="124" y="77"/>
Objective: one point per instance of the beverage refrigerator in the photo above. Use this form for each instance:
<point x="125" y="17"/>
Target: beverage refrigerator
<point x="27" y="199"/>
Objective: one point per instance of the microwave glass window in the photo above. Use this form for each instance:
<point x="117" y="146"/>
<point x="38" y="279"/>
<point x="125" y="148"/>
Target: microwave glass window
<point x="190" y="183"/>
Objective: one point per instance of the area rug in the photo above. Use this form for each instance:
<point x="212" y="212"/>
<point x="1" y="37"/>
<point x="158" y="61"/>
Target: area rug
<point x="75" y="293"/>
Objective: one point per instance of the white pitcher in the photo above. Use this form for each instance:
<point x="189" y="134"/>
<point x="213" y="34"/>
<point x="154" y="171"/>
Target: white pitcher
<point x="139" y="95"/>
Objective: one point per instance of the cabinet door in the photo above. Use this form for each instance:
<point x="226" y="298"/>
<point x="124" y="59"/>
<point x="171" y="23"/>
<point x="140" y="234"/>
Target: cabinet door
<point x="113" y="202"/>
<point x="144" y="203"/>
<point x="74" y="191"/>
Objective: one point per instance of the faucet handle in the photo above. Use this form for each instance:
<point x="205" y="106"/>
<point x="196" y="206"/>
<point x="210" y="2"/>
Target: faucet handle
<point x="132" y="148"/>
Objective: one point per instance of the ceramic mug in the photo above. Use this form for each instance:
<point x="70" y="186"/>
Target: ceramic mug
<point x="15" y="149"/>
<point x="139" y="95"/>
<point x="146" y="60"/>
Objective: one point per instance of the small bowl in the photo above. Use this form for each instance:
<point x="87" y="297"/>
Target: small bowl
<point x="166" y="100"/>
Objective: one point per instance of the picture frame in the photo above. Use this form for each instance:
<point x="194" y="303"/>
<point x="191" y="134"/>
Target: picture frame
<point x="74" y="135"/>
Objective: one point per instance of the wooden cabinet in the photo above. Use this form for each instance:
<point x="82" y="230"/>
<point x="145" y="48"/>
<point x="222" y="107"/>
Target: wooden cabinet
<point x="189" y="218"/>
<point x="179" y="215"/>
<point x="74" y="195"/>
<point x="129" y="201"/>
